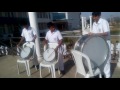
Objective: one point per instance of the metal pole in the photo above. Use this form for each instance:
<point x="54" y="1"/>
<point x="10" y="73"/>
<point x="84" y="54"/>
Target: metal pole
<point x="34" y="24"/>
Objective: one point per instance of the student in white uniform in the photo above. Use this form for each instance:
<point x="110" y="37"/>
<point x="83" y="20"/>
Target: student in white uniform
<point x="29" y="34"/>
<point x="101" y="27"/>
<point x="54" y="36"/>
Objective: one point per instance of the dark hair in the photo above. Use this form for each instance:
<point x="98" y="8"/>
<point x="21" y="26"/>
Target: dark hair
<point x="25" y="23"/>
<point x="49" y="24"/>
<point x="96" y="13"/>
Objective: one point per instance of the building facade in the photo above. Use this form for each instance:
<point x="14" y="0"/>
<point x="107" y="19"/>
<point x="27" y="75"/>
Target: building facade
<point x="11" y="22"/>
<point x="67" y="20"/>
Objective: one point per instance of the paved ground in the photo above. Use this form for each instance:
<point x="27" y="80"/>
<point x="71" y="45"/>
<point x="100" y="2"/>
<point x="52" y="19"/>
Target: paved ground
<point x="8" y="69"/>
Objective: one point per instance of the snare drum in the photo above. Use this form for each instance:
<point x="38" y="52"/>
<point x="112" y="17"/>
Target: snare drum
<point x="49" y="54"/>
<point x="26" y="53"/>
<point x="95" y="47"/>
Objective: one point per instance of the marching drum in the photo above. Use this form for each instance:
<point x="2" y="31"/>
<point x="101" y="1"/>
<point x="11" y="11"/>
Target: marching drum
<point x="49" y="54"/>
<point x="26" y="52"/>
<point x="95" y="47"/>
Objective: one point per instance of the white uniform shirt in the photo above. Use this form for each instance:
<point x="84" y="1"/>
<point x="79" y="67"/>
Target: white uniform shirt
<point x="53" y="37"/>
<point x="28" y="34"/>
<point x="101" y="27"/>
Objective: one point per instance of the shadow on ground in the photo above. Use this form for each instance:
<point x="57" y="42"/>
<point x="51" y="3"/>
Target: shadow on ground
<point x="68" y="65"/>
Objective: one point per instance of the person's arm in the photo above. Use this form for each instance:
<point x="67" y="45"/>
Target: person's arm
<point x="35" y="36"/>
<point x="102" y="34"/>
<point x="45" y="42"/>
<point x="21" y="40"/>
<point x="59" y="44"/>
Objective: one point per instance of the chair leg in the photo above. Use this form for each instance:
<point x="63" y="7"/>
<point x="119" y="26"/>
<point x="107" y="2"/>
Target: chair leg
<point x="40" y="71"/>
<point x="87" y="76"/>
<point x="35" y="67"/>
<point x="49" y="69"/>
<point x="75" y="74"/>
<point x="18" y="68"/>
<point x="100" y="76"/>
<point x="53" y="71"/>
<point x="28" y="65"/>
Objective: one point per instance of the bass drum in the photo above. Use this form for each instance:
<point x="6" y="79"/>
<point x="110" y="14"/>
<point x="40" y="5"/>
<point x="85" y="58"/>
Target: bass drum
<point x="95" y="47"/>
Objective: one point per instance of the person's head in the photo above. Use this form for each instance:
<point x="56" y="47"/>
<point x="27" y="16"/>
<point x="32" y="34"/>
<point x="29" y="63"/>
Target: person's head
<point x="96" y="16"/>
<point x="25" y="24"/>
<point x="116" y="41"/>
<point x="51" y="26"/>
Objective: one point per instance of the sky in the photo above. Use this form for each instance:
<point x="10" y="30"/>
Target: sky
<point x="103" y="14"/>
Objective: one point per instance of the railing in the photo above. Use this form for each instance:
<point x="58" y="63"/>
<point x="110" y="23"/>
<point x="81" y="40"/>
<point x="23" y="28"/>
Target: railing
<point x="68" y="40"/>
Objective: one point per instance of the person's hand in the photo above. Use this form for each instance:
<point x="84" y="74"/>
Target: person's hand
<point x="18" y="46"/>
<point x="90" y="33"/>
<point x="56" y="49"/>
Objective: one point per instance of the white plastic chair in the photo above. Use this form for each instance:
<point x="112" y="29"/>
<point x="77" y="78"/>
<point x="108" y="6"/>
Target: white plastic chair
<point x="80" y="68"/>
<point x="112" y="48"/>
<point x="49" y="65"/>
<point x="66" y="53"/>
<point x="117" y="48"/>
<point x="27" y="61"/>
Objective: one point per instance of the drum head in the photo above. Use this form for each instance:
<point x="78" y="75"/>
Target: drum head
<point x="97" y="49"/>
<point x="49" y="54"/>
<point x="25" y="53"/>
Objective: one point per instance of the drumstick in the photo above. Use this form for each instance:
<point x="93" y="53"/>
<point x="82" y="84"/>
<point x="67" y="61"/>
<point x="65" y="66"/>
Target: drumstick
<point x="22" y="49"/>
<point x="50" y="54"/>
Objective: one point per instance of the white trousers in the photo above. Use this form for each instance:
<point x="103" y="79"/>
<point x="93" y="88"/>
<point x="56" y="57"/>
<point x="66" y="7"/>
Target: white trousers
<point x="60" y="63"/>
<point x="107" y="71"/>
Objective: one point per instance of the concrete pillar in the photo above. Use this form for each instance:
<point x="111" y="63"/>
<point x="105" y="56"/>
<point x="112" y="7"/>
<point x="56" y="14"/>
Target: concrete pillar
<point x="66" y="15"/>
<point x="85" y="22"/>
<point x="34" y="24"/>
<point x="90" y="23"/>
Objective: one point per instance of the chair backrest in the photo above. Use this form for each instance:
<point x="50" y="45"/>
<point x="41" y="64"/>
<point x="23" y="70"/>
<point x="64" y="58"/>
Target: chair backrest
<point x="77" y="55"/>
<point x="118" y="46"/>
<point x="77" y="46"/>
<point x="31" y="45"/>
<point x="52" y="45"/>
<point x="112" y="46"/>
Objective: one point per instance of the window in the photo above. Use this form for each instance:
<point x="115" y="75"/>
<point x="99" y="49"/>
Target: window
<point x="0" y="14"/>
<point x="7" y="14"/>
<point x="49" y="15"/>
<point x="2" y="29"/>
<point x="42" y="26"/>
<point x="43" y="15"/>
